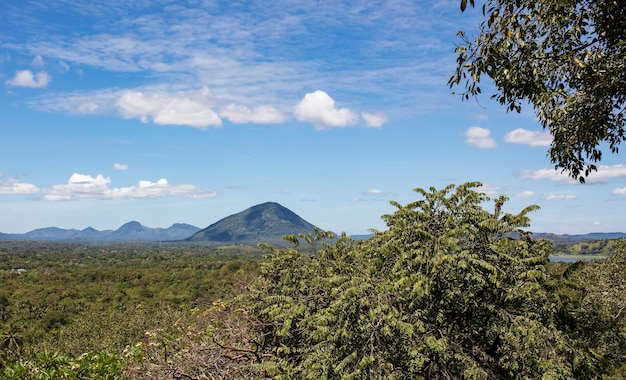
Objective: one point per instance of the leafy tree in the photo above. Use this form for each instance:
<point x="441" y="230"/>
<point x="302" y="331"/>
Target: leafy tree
<point x="53" y="366"/>
<point x="600" y="318"/>
<point x="566" y="58"/>
<point x="11" y="343"/>
<point x="449" y="290"/>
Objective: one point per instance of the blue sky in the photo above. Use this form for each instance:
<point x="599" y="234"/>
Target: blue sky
<point x="188" y="111"/>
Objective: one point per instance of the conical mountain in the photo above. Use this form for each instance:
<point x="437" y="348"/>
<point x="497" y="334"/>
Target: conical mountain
<point x="264" y="223"/>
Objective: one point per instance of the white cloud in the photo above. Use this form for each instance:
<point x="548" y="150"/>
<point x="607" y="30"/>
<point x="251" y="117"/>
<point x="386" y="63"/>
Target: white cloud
<point x="118" y="166"/>
<point x="319" y="109"/>
<point x="26" y="78"/>
<point x="373" y="194"/>
<point x="376" y="120"/>
<point x="83" y="186"/>
<point x="192" y="108"/>
<point x="549" y="174"/>
<point x="480" y="138"/>
<point x="526" y="194"/>
<point x="619" y="191"/>
<point x="11" y="186"/>
<point x="550" y="197"/>
<point x="604" y="173"/>
<point x="79" y="186"/>
<point x="530" y="138"/>
<point x="259" y="115"/>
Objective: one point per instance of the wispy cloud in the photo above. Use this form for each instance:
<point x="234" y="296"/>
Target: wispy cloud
<point x="374" y="120"/>
<point x="26" y="78"/>
<point x="526" y="194"/>
<point x="530" y="138"/>
<point x="603" y="175"/>
<point x="192" y="108"/>
<point x="480" y="138"/>
<point x="373" y="194"/>
<point x="38" y="61"/>
<point x="12" y="186"/>
<point x="244" y="56"/>
<point x="551" y="197"/>
<point x="118" y="166"/>
<point x="259" y="115"/>
<point x="619" y="191"/>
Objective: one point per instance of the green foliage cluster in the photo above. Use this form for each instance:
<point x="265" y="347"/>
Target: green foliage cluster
<point x="46" y="366"/>
<point x="566" y="59"/>
<point x="443" y="293"/>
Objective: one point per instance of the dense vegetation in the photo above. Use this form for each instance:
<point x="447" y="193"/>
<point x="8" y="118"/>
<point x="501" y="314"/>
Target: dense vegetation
<point x="59" y="302"/>
<point x="448" y="290"/>
<point x="564" y="58"/>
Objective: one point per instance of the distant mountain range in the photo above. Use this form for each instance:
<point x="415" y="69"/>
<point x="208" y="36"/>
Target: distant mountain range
<point x="266" y="222"/>
<point x="131" y="231"/>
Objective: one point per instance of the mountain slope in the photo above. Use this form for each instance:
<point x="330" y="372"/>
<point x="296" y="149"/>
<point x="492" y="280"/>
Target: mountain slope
<point x="266" y="222"/>
<point x="131" y="231"/>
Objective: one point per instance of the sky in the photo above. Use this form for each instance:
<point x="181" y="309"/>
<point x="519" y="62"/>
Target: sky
<point x="165" y="112"/>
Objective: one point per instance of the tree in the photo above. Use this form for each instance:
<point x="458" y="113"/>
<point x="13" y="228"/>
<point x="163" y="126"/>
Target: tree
<point x="567" y="58"/>
<point x="449" y="290"/>
<point x="601" y="315"/>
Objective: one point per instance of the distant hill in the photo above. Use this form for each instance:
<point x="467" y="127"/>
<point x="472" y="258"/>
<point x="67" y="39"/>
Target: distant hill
<point x="129" y="232"/>
<point x="575" y="239"/>
<point x="266" y="222"/>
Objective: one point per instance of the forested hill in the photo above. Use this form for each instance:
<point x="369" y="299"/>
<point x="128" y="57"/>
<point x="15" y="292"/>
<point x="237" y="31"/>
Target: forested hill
<point x="267" y="222"/>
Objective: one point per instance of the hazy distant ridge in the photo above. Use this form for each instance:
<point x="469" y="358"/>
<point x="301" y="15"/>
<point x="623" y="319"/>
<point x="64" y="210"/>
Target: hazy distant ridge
<point x="131" y="231"/>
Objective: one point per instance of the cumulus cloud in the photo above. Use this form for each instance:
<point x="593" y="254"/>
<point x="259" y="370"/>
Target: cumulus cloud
<point x="259" y="115"/>
<point x="604" y="173"/>
<point x="480" y="138"/>
<point x="79" y="186"/>
<point x="26" y="78"/>
<point x="374" y="120"/>
<point x="83" y="186"/>
<point x="530" y="138"/>
<point x="12" y="186"/>
<point x="319" y="109"/>
<point x="118" y="166"/>
<point x="191" y="108"/>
